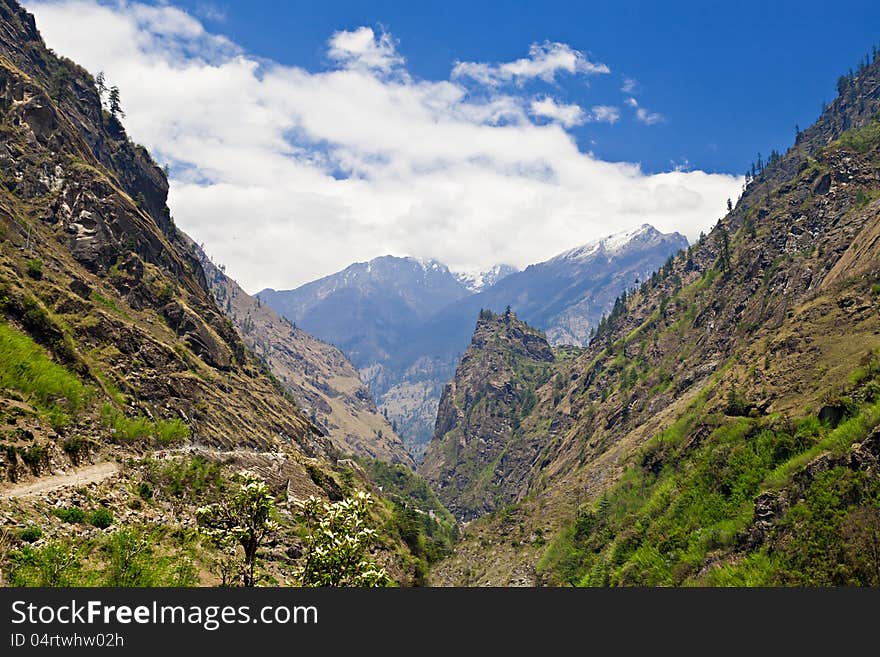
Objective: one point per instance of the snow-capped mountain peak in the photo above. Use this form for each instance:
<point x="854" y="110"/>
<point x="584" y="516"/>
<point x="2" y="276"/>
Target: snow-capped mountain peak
<point x="479" y="280"/>
<point x="612" y="244"/>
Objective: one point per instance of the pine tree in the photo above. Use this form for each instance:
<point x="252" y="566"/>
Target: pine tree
<point x="115" y="105"/>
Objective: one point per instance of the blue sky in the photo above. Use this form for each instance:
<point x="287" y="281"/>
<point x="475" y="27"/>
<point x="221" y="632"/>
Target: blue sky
<point x="730" y="78"/>
<point x="304" y="136"/>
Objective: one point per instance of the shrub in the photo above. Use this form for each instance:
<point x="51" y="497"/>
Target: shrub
<point x="55" y="564"/>
<point x="130" y="429"/>
<point x="74" y="447"/>
<point x="30" y="534"/>
<point x="145" y="491"/>
<point x="245" y="519"/>
<point x="71" y="514"/>
<point x="101" y="518"/>
<point x="337" y="544"/>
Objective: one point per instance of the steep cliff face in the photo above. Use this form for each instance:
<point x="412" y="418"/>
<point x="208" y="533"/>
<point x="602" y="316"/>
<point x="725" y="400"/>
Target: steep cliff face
<point x="478" y="459"/>
<point x="317" y="374"/>
<point x="93" y="267"/>
<point x="704" y="389"/>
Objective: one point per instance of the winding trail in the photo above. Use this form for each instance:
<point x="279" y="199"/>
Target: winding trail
<point x="77" y="477"/>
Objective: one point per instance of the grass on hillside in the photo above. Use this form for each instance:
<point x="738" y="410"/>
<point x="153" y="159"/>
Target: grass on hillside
<point x="131" y="429"/>
<point x="689" y="501"/>
<point x="27" y="368"/>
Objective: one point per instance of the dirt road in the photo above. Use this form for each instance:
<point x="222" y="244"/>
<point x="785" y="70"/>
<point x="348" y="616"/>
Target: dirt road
<point x="77" y="477"/>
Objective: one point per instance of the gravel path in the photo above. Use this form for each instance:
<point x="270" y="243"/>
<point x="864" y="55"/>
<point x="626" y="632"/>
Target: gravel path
<point x="78" y="477"/>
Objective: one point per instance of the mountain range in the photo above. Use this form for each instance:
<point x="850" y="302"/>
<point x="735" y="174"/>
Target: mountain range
<point x="404" y="322"/>
<point x="637" y="411"/>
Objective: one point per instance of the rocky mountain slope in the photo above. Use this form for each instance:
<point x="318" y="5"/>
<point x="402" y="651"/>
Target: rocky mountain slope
<point x="127" y="399"/>
<point x="479" y="412"/>
<point x="321" y="379"/>
<point x="94" y="269"/>
<point x="721" y="426"/>
<point x="411" y="321"/>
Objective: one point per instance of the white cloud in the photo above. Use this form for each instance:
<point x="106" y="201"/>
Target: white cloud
<point x="629" y="86"/>
<point x="545" y="60"/>
<point x="648" y="118"/>
<point x="605" y="114"/>
<point x="287" y="174"/>
<point x="361" y="49"/>
<point x="211" y="12"/>
<point x="643" y="115"/>
<point x="566" y="115"/>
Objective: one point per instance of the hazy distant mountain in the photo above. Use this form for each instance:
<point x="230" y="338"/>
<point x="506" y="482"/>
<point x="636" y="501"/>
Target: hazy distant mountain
<point x="404" y="322"/>
<point x="567" y="295"/>
<point x="369" y="308"/>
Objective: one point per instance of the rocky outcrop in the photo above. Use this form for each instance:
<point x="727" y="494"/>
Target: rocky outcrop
<point x="477" y="460"/>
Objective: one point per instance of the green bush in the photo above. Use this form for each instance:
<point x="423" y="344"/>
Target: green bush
<point x="70" y="514"/>
<point x="191" y="479"/>
<point x="31" y="534"/>
<point x="101" y="518"/>
<point x="862" y="139"/>
<point x="75" y="447"/>
<point x="145" y="491"/>
<point x="54" y="564"/>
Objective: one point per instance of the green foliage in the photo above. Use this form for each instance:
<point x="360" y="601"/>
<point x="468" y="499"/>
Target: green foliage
<point x="34" y="268"/>
<point x="75" y="447"/>
<point x="139" y="428"/>
<point x="25" y="367"/>
<point x="692" y="495"/>
<point x="55" y="564"/>
<point x="30" y="534"/>
<point x="166" y="294"/>
<point x="104" y="301"/>
<point x="338" y="539"/>
<point x="130" y="560"/>
<point x="862" y="139"/>
<point x="736" y="404"/>
<point x="187" y="479"/>
<point x="418" y="518"/>
<point x="127" y="557"/>
<point x="101" y="517"/>
<point x="245" y="519"/>
<point x="70" y="514"/>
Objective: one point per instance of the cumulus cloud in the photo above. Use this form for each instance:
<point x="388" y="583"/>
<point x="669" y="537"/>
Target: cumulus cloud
<point x="545" y="61"/>
<point x="361" y="48"/>
<point x="629" y="86"/>
<point x="288" y="174"/>
<point x="567" y="115"/>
